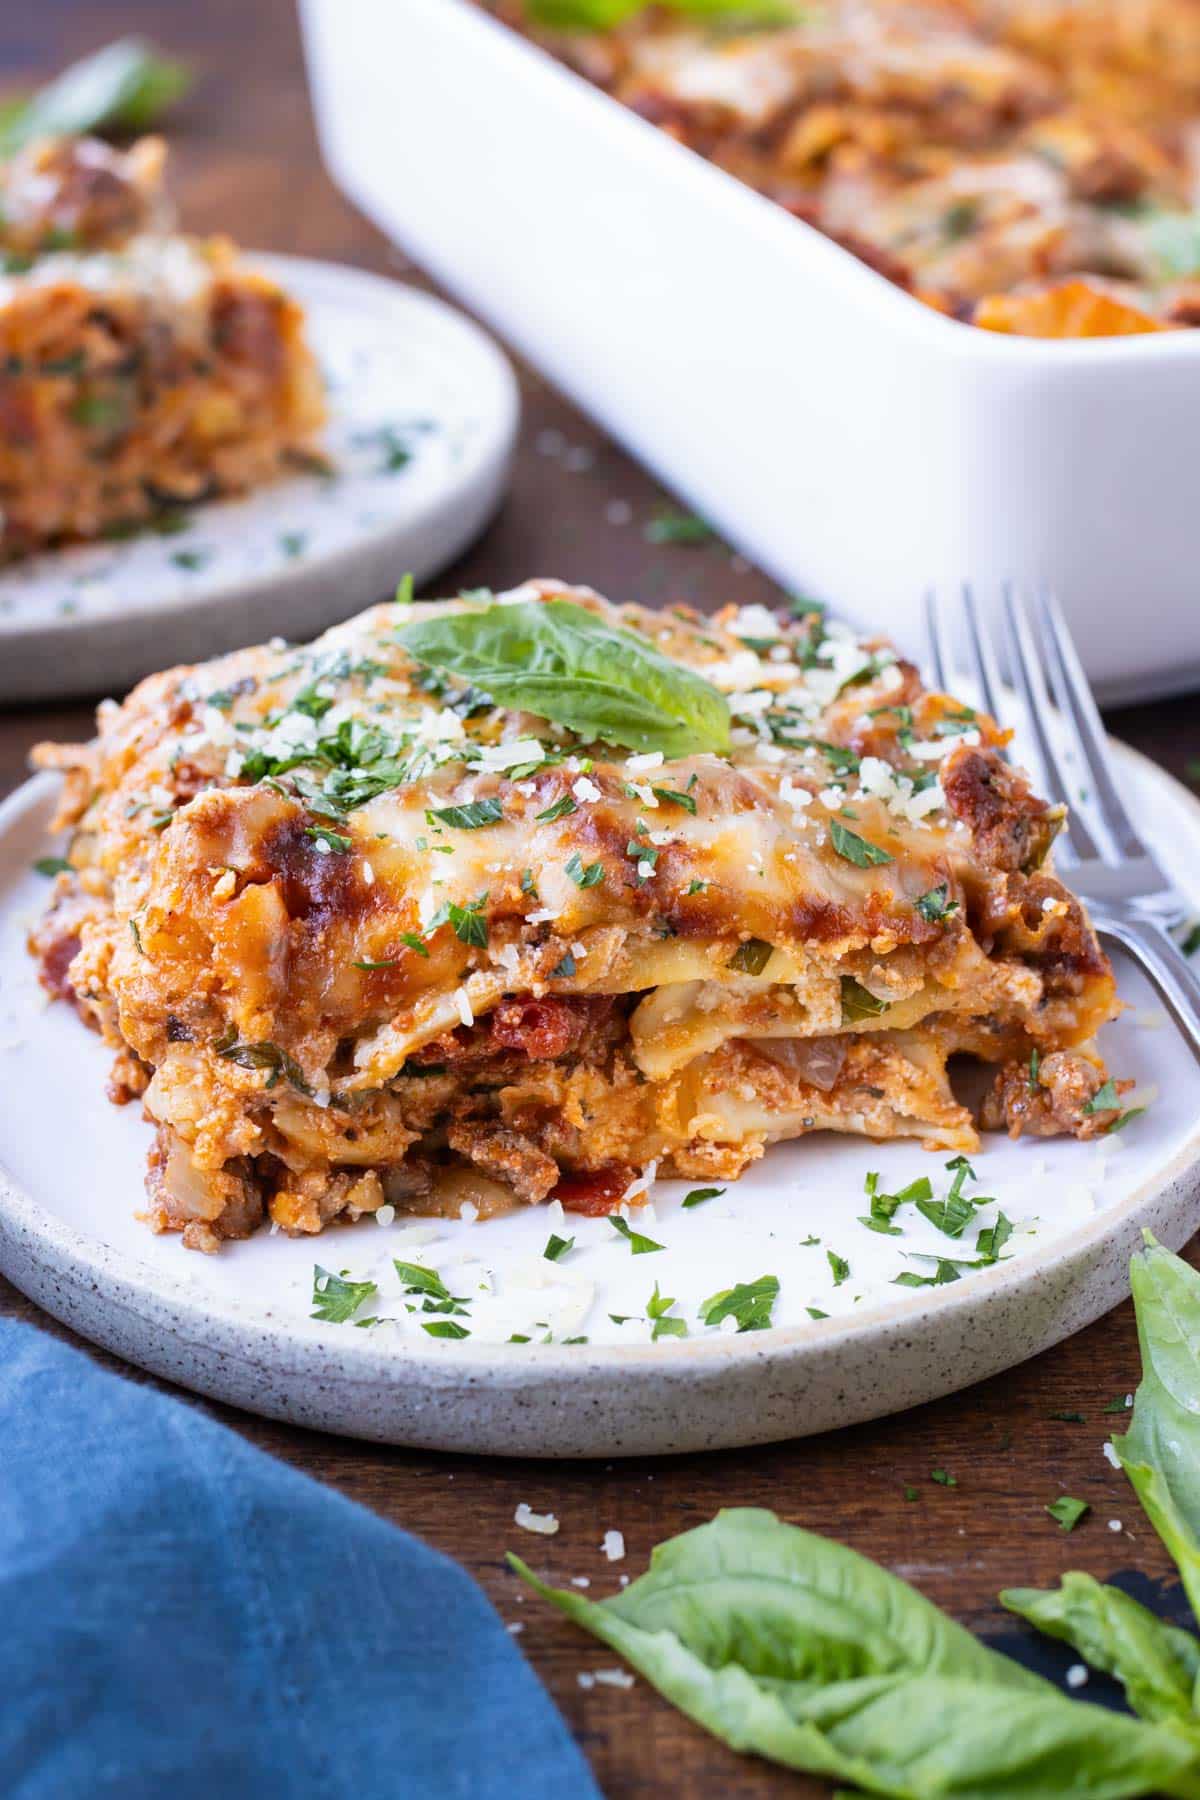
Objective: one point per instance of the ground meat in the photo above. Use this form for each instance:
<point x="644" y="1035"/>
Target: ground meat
<point x="595" y="1192"/>
<point x="1052" y="1104"/>
<point x="246" y="327"/>
<point x="207" y="1205"/>
<point x="507" y="1156"/>
<point x="1012" y="829"/>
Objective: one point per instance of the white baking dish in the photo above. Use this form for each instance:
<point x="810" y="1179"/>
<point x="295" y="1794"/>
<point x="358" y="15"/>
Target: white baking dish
<point x="842" y="435"/>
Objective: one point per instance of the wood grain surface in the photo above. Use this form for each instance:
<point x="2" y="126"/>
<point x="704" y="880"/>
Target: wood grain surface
<point x="245" y="160"/>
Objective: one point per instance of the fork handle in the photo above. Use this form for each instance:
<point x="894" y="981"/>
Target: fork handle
<point x="1164" y="962"/>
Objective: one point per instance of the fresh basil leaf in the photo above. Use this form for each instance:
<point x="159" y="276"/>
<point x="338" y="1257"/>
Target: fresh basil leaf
<point x="126" y="86"/>
<point x="1157" y="1664"/>
<point x="335" y="1299"/>
<point x="557" y="660"/>
<point x="471" y="817"/>
<point x="794" y="1647"/>
<point x="749" y="1302"/>
<point x="855" y="849"/>
<point x="1160" y="1452"/>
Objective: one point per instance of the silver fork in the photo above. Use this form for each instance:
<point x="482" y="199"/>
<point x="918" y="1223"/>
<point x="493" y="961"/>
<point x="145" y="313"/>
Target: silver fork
<point x="1128" y="895"/>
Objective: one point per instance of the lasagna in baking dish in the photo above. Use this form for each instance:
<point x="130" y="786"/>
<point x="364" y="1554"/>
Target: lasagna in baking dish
<point x="1026" y="165"/>
<point x="139" y="370"/>
<point x="508" y="898"/>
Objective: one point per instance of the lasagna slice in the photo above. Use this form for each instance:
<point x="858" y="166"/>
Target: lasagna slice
<point x="139" y="370"/>
<point x="505" y="899"/>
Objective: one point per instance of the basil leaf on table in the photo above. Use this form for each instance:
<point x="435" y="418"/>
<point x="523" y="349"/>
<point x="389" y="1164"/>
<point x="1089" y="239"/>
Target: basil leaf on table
<point x="795" y="1647"/>
<point x="1156" y="1663"/>
<point x="558" y="661"/>
<point x="1160" y="1452"/>
<point x="124" y="87"/>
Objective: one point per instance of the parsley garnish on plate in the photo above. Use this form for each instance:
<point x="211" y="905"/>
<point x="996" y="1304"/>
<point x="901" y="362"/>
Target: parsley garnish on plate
<point x="749" y="1302"/>
<point x="698" y="1196"/>
<point x="557" y="1248"/>
<point x="336" y="1299"/>
<point x="639" y="1245"/>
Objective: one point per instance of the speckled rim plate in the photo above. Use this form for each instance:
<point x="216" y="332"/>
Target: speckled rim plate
<point x="611" y="1399"/>
<point x="423" y="414"/>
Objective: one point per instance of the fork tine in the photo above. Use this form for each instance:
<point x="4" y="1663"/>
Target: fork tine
<point x="936" y="639"/>
<point x="1076" y="705"/>
<point x="983" y="660"/>
<point x="1031" y="680"/>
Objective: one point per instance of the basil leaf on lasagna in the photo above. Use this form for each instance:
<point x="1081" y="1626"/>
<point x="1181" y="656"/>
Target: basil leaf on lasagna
<point x="557" y="660"/>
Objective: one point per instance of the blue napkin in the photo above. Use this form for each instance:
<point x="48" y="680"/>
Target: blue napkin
<point x="183" y="1617"/>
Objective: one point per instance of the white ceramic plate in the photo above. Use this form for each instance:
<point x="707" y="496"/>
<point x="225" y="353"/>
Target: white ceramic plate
<point x="423" y="418"/>
<point x="236" y="1325"/>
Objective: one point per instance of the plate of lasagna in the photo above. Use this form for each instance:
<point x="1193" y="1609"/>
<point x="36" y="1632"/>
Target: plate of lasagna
<point x="547" y="1026"/>
<point x="198" y="447"/>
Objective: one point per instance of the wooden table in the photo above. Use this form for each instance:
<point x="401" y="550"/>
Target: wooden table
<point x="245" y="160"/>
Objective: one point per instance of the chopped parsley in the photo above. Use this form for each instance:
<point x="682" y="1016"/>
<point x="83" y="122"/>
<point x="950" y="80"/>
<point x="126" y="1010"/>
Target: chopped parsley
<point x="943" y="1478"/>
<point x="468" y="923"/>
<point x="936" y="905"/>
<point x="1067" y="1512"/>
<point x="562" y="971"/>
<point x="385" y="962"/>
<point x="750" y="1303"/>
<point x="673" y="797"/>
<point x="557" y="1247"/>
<point x="658" y="1308"/>
<point x="698" y="1196"/>
<point x="52" y="865"/>
<point x="558" y="810"/>
<point x="670" y="527"/>
<point x="855" y="849"/>
<point x="840" y="1267"/>
<point x="859" y="1002"/>
<point x="752" y="957"/>
<point x="471" y="817"/>
<point x="332" y="840"/>
<point x="335" y="1300"/>
<point x="262" y="1055"/>
<point x="444" y="1328"/>
<point x="1106" y="1099"/>
<point x="639" y="1245"/>
<point x="585" y="875"/>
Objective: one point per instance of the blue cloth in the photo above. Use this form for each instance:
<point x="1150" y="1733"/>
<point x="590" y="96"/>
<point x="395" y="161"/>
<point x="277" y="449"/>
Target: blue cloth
<point x="184" y="1617"/>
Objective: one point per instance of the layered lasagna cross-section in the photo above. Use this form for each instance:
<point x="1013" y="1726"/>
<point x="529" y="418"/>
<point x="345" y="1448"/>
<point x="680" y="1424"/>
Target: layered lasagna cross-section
<point x="140" y="370"/>
<point x="503" y="899"/>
